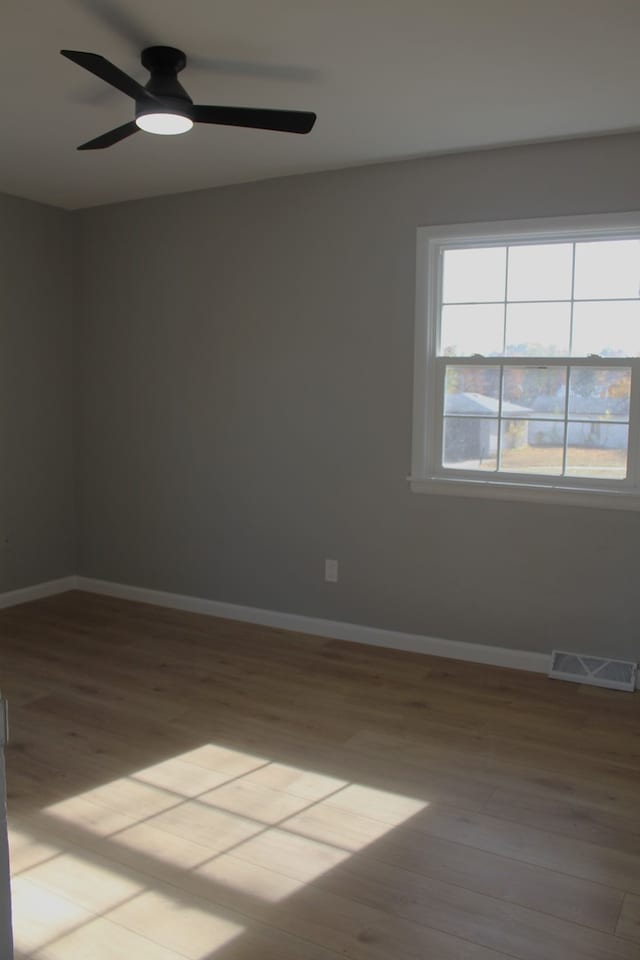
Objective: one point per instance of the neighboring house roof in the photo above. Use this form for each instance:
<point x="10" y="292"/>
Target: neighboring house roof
<point x="590" y="407"/>
<point x="478" y="403"/>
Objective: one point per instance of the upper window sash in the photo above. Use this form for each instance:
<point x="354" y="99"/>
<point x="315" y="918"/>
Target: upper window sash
<point x="501" y="303"/>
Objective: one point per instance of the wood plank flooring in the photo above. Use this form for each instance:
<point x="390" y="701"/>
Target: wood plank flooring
<point x="185" y="788"/>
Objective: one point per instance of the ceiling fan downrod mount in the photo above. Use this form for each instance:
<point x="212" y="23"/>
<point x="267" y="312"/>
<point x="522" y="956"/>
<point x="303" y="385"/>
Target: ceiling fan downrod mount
<point x="164" y="64"/>
<point x="163" y="60"/>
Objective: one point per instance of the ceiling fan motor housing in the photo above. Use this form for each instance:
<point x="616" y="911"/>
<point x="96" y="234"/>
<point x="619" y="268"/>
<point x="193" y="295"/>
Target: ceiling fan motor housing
<point x="164" y="64"/>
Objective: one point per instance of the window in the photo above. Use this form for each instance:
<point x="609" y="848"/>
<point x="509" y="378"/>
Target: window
<point x="527" y="373"/>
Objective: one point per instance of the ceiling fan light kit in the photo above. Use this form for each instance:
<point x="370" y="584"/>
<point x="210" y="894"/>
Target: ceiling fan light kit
<point x="164" y="107"/>
<point x="166" y="124"/>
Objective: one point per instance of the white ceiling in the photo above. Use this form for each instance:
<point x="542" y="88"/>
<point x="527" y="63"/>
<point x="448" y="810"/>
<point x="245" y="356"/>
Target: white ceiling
<point x="388" y="79"/>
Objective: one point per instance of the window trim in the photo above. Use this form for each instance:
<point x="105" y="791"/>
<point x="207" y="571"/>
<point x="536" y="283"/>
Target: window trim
<point x="426" y="425"/>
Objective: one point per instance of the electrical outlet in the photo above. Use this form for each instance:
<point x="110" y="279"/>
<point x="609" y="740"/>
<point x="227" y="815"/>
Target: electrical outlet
<point x="331" y="571"/>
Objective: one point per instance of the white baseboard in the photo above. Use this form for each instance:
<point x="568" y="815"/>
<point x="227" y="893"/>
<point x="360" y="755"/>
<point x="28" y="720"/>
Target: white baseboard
<point x="415" y="643"/>
<point x="36" y="592"/>
<point x="353" y="632"/>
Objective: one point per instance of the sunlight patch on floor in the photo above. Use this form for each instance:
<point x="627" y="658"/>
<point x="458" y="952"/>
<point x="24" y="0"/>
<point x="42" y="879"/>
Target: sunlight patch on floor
<point x="180" y="776"/>
<point x="128" y="794"/>
<point x="182" y="923"/>
<point x="40" y="917"/>
<point x="297" y="857"/>
<point x="93" y="883"/>
<point x="249" y="879"/>
<point x="301" y="783"/>
<point x="143" y="842"/>
<point x="94" y="819"/>
<point x="27" y="851"/>
<point x="169" y="854"/>
<point x="262" y="804"/>
<point x="390" y="808"/>
<point x="101" y="939"/>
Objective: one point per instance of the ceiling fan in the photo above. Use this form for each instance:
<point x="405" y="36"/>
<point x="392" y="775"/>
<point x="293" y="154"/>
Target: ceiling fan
<point x="164" y="106"/>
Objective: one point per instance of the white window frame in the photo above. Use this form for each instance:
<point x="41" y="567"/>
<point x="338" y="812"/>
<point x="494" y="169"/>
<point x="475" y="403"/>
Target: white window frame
<point x="427" y="473"/>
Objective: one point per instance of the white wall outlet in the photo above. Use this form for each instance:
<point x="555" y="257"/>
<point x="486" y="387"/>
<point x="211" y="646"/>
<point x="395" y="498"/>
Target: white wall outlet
<point x="331" y="571"/>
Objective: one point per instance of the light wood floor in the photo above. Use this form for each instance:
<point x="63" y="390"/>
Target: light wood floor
<point x="183" y="787"/>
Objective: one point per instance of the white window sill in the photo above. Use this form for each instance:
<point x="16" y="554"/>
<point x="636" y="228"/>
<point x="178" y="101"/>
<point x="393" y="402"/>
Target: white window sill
<point x="503" y="490"/>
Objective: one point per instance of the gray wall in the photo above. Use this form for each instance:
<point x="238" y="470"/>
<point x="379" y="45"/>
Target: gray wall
<point x="37" y="524"/>
<point x="245" y="360"/>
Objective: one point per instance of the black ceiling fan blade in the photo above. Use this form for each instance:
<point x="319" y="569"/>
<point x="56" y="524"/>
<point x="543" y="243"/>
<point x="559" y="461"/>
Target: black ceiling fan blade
<point x="289" y="121"/>
<point x="111" y="74"/>
<point x="111" y="137"/>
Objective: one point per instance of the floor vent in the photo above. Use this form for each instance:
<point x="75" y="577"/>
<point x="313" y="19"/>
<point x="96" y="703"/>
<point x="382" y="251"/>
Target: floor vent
<point x="598" y="671"/>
